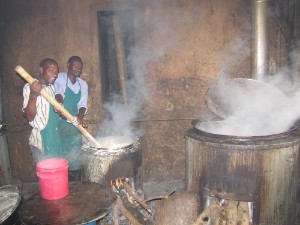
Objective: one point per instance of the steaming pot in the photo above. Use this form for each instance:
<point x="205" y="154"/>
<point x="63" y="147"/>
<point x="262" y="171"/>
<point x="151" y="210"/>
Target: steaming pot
<point x="224" y="97"/>
<point x="100" y="165"/>
<point x="262" y="170"/>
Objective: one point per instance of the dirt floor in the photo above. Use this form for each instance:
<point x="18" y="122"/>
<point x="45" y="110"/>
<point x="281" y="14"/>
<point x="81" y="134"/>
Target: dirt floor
<point x="150" y="190"/>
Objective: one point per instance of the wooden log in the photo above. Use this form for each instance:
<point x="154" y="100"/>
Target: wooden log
<point x="133" y="209"/>
<point x="136" y="198"/>
<point x="116" y="214"/>
<point x="127" y="213"/>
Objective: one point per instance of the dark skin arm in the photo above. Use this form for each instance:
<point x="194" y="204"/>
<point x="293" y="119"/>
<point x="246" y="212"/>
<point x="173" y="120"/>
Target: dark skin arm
<point x="59" y="98"/>
<point x="80" y="116"/>
<point x="30" y="110"/>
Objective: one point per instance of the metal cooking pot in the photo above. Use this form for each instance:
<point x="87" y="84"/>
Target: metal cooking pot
<point x="10" y="200"/>
<point x="100" y="165"/>
<point x="256" y="169"/>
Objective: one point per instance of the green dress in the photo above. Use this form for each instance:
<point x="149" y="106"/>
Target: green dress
<point x="51" y="136"/>
<point x="71" y="137"/>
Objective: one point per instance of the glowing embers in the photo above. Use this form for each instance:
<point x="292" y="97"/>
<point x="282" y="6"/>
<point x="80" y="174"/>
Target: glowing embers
<point x="129" y="203"/>
<point x="118" y="183"/>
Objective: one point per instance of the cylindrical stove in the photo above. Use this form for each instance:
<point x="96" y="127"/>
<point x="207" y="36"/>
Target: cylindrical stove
<point x="261" y="170"/>
<point x="101" y="165"/>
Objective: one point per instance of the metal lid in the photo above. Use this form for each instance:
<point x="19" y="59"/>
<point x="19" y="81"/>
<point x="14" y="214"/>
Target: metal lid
<point x="225" y="97"/>
<point x="9" y="200"/>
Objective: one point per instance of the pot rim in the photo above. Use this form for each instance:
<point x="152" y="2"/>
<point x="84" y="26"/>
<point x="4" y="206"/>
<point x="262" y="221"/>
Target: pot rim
<point x="14" y="208"/>
<point x="241" y="138"/>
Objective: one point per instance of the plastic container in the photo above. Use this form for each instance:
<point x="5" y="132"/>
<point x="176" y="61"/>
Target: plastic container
<point x="53" y="178"/>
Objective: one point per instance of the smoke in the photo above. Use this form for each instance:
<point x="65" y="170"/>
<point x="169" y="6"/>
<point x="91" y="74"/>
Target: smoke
<point x="118" y="124"/>
<point x="119" y="116"/>
<point x="255" y="108"/>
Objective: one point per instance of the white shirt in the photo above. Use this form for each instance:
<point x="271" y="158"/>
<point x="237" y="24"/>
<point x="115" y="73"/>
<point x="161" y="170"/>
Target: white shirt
<point x="42" y="114"/>
<point x="80" y="84"/>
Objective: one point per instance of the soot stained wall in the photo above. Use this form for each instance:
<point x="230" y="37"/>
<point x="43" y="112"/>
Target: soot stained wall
<point x="182" y="46"/>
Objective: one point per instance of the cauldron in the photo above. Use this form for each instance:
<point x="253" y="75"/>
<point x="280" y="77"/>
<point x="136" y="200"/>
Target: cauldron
<point x="100" y="165"/>
<point x="262" y="170"/>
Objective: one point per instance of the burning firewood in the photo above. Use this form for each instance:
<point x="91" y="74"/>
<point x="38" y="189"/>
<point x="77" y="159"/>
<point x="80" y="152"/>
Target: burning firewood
<point x="126" y="212"/>
<point x="134" y="211"/>
<point x="136" y="198"/>
<point x="117" y="183"/>
<point x="126" y="198"/>
<point x="122" y="183"/>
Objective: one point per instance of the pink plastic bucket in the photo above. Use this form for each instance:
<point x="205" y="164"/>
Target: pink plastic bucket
<point x="53" y="178"/>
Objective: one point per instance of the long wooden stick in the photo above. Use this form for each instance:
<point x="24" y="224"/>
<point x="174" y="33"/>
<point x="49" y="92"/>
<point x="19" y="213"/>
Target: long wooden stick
<point x="135" y="197"/>
<point x="127" y="213"/>
<point x="56" y="105"/>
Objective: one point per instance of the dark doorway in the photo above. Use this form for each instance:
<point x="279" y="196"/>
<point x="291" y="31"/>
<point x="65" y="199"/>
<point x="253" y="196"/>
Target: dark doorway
<point x="116" y="41"/>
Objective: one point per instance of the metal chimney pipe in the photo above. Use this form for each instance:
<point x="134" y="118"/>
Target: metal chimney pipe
<point x="260" y="57"/>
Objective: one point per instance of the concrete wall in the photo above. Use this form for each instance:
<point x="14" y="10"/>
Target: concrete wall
<point x="188" y="43"/>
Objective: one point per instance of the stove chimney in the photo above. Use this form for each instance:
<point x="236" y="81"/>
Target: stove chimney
<point x="260" y="57"/>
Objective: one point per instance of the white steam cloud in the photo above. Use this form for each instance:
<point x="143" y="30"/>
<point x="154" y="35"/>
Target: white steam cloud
<point x="119" y="116"/>
<point x="255" y="108"/>
<point x="118" y="124"/>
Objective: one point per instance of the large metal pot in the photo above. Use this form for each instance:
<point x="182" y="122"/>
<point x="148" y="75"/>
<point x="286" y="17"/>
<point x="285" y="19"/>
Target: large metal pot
<point x="262" y="170"/>
<point x="10" y="200"/>
<point x="100" y="165"/>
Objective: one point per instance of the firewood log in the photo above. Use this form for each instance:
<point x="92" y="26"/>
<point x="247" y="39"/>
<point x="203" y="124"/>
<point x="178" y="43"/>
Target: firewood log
<point x="127" y="213"/>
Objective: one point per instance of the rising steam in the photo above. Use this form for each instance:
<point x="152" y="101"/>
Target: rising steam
<point x="118" y="124"/>
<point x="255" y="108"/>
